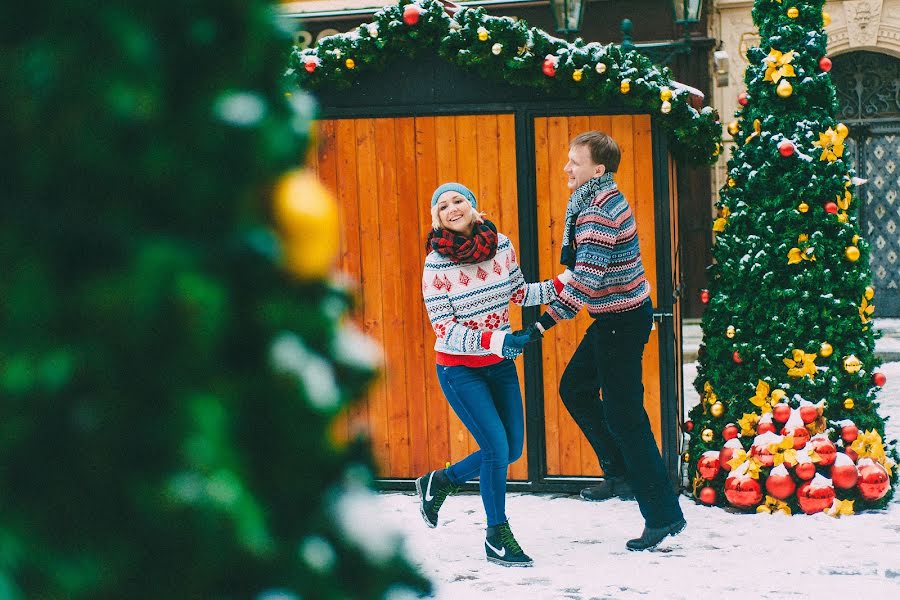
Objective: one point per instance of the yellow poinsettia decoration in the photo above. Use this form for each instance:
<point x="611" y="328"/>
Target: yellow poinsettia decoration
<point x="708" y="394"/>
<point x="778" y="65"/>
<point x="739" y="458"/>
<point x="869" y="445"/>
<point x="722" y="221"/>
<point x="783" y="451"/>
<point x="866" y="310"/>
<point x="748" y="423"/>
<point x="773" y="505"/>
<point x="757" y="129"/>
<point x="801" y="364"/>
<point x="804" y="252"/>
<point x="840" y="508"/>
<point x="762" y="399"/>
<point x="832" y="144"/>
<point x="843" y="203"/>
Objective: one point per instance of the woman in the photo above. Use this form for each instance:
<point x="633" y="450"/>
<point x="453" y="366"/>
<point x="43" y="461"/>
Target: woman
<point x="470" y="276"/>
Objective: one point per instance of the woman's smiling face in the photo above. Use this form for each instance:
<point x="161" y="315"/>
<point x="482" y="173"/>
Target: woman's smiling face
<point x="455" y="213"/>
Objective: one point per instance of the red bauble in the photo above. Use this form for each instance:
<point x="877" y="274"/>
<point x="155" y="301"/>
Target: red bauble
<point x="743" y="98"/>
<point x="851" y="453"/>
<point x="873" y="482"/>
<point x="879" y="378"/>
<point x="704" y="296"/>
<point x="688" y="426"/>
<point x="762" y="454"/>
<point x="780" y="485"/>
<point x="844" y="473"/>
<point x="765" y="427"/>
<point x="310" y="66"/>
<point x="826" y="450"/>
<point x="805" y="470"/>
<point x="736" y="357"/>
<point x="707" y="495"/>
<point x="801" y="436"/>
<point x="730" y="432"/>
<point x="786" y="148"/>
<point x="849" y="433"/>
<point x="809" y="413"/>
<point x="549" y="67"/>
<point x="815" y="499"/>
<point x="742" y="491"/>
<point x="831" y="208"/>
<point x="781" y="412"/>
<point x="411" y="14"/>
<point x="825" y="64"/>
<point x="708" y="465"/>
<point x="726" y="454"/>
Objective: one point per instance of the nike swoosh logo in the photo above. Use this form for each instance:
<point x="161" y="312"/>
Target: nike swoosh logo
<point x="428" y="496"/>
<point x="500" y="553"/>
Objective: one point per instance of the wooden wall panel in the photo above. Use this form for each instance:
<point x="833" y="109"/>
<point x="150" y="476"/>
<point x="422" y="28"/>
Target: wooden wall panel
<point x="568" y="452"/>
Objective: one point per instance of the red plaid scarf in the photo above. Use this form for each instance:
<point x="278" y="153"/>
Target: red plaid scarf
<point x="478" y="248"/>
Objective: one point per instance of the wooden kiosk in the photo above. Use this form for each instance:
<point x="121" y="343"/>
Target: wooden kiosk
<point x="394" y="134"/>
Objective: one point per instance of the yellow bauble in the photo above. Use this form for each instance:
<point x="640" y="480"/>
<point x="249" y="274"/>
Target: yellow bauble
<point x="784" y="88"/>
<point x="625" y="86"/>
<point x="852" y="253"/>
<point x="717" y="409"/>
<point x="793" y="13"/>
<point x="665" y="108"/>
<point x="733" y="128"/>
<point x="731" y="182"/>
<point x="686" y="457"/>
<point x="665" y="94"/>
<point x="848" y="403"/>
<point x="729" y="331"/>
<point x="577" y="75"/>
<point x="707" y="435"/>
<point x="852" y="364"/>
<point x="483" y="34"/>
<point x="307" y="219"/>
<point x="825" y="350"/>
<point x="870" y="292"/>
<point x="826" y="19"/>
<point x="841" y="130"/>
<point x="350" y="63"/>
<point x="804" y="207"/>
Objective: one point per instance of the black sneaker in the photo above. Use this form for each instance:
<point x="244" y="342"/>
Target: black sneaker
<point x="433" y="489"/>
<point x="652" y="536"/>
<point x="503" y="549"/>
<point x="610" y="487"/>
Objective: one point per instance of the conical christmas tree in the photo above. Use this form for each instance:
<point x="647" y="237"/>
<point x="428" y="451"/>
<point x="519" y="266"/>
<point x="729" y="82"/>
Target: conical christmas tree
<point x="788" y="377"/>
<point x="171" y="357"/>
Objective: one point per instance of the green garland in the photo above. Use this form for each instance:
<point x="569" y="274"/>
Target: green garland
<point x="499" y="47"/>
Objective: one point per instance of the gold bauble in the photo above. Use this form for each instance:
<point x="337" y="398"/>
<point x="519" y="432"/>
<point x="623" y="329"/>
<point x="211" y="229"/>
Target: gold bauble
<point x="784" y="88"/>
<point x="852" y="364"/>
<point x="731" y="182"/>
<point x="600" y="68"/>
<point x="483" y="34"/>
<point x="852" y="253"/>
<point x="496" y="49"/>
<point x="793" y="13"/>
<point x="841" y="130"/>
<point x="848" y="403"/>
<point x="307" y="218"/>
<point x="717" y="409"/>
<point x="707" y="435"/>
<point x="870" y="292"/>
<point x="665" y="108"/>
<point x="665" y="94"/>
<point x="686" y="457"/>
<point x="825" y="350"/>
<point x="733" y="128"/>
<point x="804" y="207"/>
<point x="625" y="86"/>
<point x="350" y="63"/>
<point x="729" y="331"/>
<point x="577" y="75"/>
<point x="826" y="19"/>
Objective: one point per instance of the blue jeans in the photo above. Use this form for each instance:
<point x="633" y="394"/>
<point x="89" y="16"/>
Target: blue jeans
<point x="489" y="403"/>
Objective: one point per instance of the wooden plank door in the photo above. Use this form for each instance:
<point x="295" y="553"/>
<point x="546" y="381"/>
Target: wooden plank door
<point x="382" y="172"/>
<point x="567" y="451"/>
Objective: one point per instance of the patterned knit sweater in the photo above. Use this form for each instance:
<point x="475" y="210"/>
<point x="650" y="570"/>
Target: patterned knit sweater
<point x="468" y="304"/>
<point x="608" y="275"/>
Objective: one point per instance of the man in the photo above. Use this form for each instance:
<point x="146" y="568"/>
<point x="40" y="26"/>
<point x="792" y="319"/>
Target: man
<point x="600" y="245"/>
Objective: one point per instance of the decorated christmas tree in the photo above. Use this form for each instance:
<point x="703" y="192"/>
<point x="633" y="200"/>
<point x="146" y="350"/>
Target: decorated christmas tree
<point x="788" y="419"/>
<point x="172" y="350"/>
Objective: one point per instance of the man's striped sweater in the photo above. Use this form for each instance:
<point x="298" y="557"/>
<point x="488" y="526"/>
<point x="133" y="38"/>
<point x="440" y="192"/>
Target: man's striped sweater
<point x="608" y="275"/>
<point x="468" y="304"/>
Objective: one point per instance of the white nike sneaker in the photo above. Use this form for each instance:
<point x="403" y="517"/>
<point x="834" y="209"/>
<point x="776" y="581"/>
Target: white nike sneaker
<point x="502" y="548"/>
<point x="433" y="489"/>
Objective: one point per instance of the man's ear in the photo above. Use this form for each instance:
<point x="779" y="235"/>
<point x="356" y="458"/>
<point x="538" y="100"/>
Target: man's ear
<point x="600" y="171"/>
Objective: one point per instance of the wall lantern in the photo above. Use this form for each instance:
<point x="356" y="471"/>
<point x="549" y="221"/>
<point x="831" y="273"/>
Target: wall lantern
<point x="567" y="15"/>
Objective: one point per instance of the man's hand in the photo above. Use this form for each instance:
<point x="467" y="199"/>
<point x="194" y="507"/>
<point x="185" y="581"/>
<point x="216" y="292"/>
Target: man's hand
<point x="532" y="331"/>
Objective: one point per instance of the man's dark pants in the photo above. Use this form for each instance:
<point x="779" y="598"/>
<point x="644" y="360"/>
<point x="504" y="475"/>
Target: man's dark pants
<point x="609" y="359"/>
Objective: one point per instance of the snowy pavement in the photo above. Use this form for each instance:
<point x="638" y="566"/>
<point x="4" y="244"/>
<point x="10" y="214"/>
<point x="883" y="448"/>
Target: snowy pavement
<point x="579" y="547"/>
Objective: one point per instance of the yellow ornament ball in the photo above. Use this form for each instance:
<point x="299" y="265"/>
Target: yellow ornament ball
<point x="625" y="86"/>
<point x="848" y="403"/>
<point x="717" y="409"/>
<point x="804" y="207"/>
<point x="707" y="435"/>
<point x="793" y="13"/>
<point x="841" y="130"/>
<point x="852" y="364"/>
<point x="729" y="331"/>
<point x="870" y="292"/>
<point x="733" y="128"/>
<point x="825" y="350"/>
<point x="577" y="75"/>
<point x="784" y="88"/>
<point x="852" y="253"/>
<point x="665" y="94"/>
<point x="731" y="182"/>
<point x="686" y="457"/>
<point x="350" y="64"/>
<point x="826" y="19"/>
<point x="307" y="218"/>
<point x="483" y="34"/>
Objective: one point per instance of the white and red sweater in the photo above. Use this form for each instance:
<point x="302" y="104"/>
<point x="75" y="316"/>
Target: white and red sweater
<point x="468" y="304"/>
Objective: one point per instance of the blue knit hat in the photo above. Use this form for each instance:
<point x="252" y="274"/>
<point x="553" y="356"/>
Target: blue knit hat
<point x="454" y="187"/>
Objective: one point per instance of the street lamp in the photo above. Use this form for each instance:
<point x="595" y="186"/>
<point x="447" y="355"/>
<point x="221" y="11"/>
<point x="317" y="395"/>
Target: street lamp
<point x="567" y="15"/>
<point x="687" y="12"/>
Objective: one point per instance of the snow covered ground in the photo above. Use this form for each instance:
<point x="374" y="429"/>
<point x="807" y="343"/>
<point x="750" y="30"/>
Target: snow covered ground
<point x="579" y="547"/>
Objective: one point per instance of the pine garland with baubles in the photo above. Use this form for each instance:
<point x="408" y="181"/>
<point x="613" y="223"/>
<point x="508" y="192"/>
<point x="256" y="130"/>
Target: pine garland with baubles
<point x="787" y="371"/>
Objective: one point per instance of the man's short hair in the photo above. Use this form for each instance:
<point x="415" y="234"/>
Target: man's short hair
<point x="604" y="150"/>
